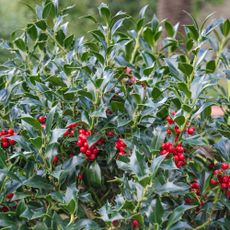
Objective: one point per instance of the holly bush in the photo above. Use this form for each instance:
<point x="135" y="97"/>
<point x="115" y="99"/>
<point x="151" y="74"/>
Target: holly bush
<point x="115" y="130"/>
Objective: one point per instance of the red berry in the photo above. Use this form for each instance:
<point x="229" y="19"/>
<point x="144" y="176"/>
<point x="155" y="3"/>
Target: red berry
<point x="173" y="113"/>
<point x="12" y="142"/>
<point x="181" y="157"/>
<point x="224" y="166"/>
<point x="55" y="159"/>
<point x="88" y="152"/>
<point x="71" y="126"/>
<point x="191" y="131"/>
<point x="83" y="149"/>
<point x="115" y="222"/>
<point x="224" y="185"/>
<point x="71" y="133"/>
<point x="135" y="224"/>
<point x="225" y="179"/>
<point x="176" y="158"/>
<point x="43" y="126"/>
<point x="82" y="137"/>
<point x="92" y="156"/>
<point x="81" y="176"/>
<point x="188" y="200"/>
<point x="11" y="132"/>
<point x="169" y="120"/>
<point x="163" y="146"/>
<point x="87" y="133"/>
<point x="109" y="133"/>
<point x="66" y="133"/>
<point x="179" y="149"/>
<point x="163" y="152"/>
<point x="41" y="119"/>
<point x="5" y="209"/>
<point x="195" y="185"/>
<point x="213" y="182"/>
<point x="169" y="132"/>
<point x="82" y="131"/>
<point x="95" y="151"/>
<point x="4" y="139"/>
<point x="9" y="196"/>
<point x="80" y="143"/>
<point x="5" y="145"/>
<point x="71" y="155"/>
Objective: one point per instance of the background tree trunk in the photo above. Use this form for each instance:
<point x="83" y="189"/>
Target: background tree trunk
<point x="173" y="11"/>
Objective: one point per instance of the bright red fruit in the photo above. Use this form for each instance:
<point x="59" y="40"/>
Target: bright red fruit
<point x="9" y="196"/>
<point x="55" y="159"/>
<point x="195" y="185"/>
<point x="135" y="224"/>
<point x="41" y="119"/>
<point x="5" y="144"/>
<point x="224" y="166"/>
<point x="213" y="182"/>
<point x="191" y="131"/>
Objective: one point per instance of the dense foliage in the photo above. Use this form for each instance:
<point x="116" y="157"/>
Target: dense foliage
<point x="115" y="131"/>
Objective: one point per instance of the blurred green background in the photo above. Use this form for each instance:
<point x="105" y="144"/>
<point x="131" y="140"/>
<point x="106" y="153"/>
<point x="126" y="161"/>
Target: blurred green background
<point x="15" y="14"/>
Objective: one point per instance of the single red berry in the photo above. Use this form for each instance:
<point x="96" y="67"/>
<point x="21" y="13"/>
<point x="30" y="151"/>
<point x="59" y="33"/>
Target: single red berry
<point x="11" y="132"/>
<point x="179" y="149"/>
<point x="224" y="166"/>
<point x="169" y="132"/>
<point x="109" y="133"/>
<point x="9" y="196"/>
<point x="80" y="143"/>
<point x="86" y="145"/>
<point x="163" y="152"/>
<point x="5" y="144"/>
<point x="135" y="224"/>
<point x="181" y="157"/>
<point x="191" y="131"/>
<point x="12" y="142"/>
<point x="195" y="185"/>
<point x="211" y="165"/>
<point x="82" y="137"/>
<point x="115" y="222"/>
<point x="163" y="146"/>
<point x="188" y="200"/>
<point x="83" y="149"/>
<point x="82" y="131"/>
<point x="88" y="133"/>
<point x="71" y="133"/>
<point x="95" y="151"/>
<point x="176" y="158"/>
<point x="71" y="155"/>
<point x="41" y="119"/>
<point x="81" y="176"/>
<point x="224" y="185"/>
<point x="174" y="113"/>
<point x="225" y="179"/>
<point x="213" y="182"/>
<point x="169" y="120"/>
<point x="92" y="156"/>
<point x="55" y="159"/>
<point x="66" y="133"/>
<point x="88" y="152"/>
<point x="43" y="126"/>
<point x="4" y="139"/>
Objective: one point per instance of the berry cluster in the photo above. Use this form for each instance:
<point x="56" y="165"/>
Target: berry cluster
<point x="4" y="137"/>
<point x="195" y="189"/>
<point x="177" y="151"/>
<point x="92" y="151"/>
<point x="120" y="146"/>
<point x="176" y="129"/>
<point x="221" y="177"/>
<point x="42" y="120"/>
<point x="9" y="196"/>
<point x="70" y="130"/>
